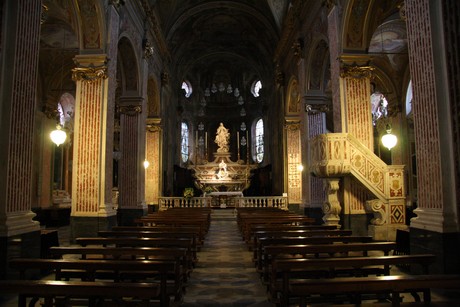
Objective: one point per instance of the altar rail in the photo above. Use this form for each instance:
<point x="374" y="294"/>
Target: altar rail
<point x="280" y="202"/>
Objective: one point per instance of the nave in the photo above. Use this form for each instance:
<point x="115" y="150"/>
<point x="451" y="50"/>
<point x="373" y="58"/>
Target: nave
<point x="225" y="275"/>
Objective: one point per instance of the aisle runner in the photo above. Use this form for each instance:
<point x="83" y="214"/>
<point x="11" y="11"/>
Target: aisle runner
<point x="225" y="275"/>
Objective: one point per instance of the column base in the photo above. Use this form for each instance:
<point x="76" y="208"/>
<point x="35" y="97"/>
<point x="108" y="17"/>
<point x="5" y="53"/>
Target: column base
<point x="126" y="217"/>
<point x="89" y="226"/>
<point x="443" y="245"/>
<point x="26" y="245"/>
<point x="385" y="232"/>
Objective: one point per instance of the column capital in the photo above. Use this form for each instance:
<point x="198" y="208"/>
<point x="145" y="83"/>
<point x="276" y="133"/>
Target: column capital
<point x="317" y="102"/>
<point x="153" y="124"/>
<point x="356" y="71"/>
<point x="292" y="124"/>
<point x="90" y="68"/>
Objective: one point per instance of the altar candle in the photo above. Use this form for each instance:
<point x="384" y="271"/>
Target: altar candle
<point x="206" y="140"/>
<point x="196" y="138"/>
<point x="238" y="140"/>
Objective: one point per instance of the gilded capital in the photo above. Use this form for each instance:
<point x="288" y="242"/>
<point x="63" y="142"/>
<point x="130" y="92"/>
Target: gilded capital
<point x="89" y="74"/>
<point x="356" y="71"/>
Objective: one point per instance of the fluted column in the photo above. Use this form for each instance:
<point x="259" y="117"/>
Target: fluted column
<point x="21" y="27"/>
<point x="294" y="159"/>
<point x="19" y="234"/>
<point x="92" y="180"/>
<point x="153" y="155"/>
<point x="131" y="201"/>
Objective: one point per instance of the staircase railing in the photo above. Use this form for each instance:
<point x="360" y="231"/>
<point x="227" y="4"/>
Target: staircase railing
<point x="336" y="155"/>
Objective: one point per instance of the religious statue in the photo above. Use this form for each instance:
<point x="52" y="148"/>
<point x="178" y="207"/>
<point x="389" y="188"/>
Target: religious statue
<point x="222" y="138"/>
<point x="223" y="173"/>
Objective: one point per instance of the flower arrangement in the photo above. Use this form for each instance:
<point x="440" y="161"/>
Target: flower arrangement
<point x="188" y="193"/>
<point x="208" y="189"/>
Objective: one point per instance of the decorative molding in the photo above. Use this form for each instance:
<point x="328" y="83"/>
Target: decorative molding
<point x="164" y="78"/>
<point x="402" y="11"/>
<point x="329" y="4"/>
<point x="378" y="208"/>
<point x="298" y="47"/>
<point x="279" y="76"/>
<point x="153" y="128"/>
<point x="313" y="109"/>
<point x="50" y="112"/>
<point x="89" y="74"/>
<point x="356" y="71"/>
<point x="130" y="110"/>
<point x="117" y="3"/>
<point x="44" y="14"/>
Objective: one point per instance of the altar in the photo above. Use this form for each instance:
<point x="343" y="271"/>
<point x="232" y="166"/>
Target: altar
<point x="225" y="199"/>
<point x="222" y="178"/>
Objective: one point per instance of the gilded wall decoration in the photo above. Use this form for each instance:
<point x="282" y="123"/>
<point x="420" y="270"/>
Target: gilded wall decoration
<point x="293" y="160"/>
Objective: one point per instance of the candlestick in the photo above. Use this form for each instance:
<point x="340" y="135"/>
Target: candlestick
<point x="247" y="147"/>
<point x="238" y="143"/>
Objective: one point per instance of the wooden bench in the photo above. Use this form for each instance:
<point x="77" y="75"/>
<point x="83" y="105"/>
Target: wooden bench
<point x="178" y="255"/>
<point x="179" y="229"/>
<point x="320" y="250"/>
<point x="113" y="270"/>
<point x="257" y="235"/>
<point x="247" y="224"/>
<point x="142" y="242"/>
<point x="150" y="234"/>
<point x="262" y="243"/>
<point x="355" y="287"/>
<point x="280" y="227"/>
<point x="140" y="294"/>
<point x="203" y="224"/>
<point x="285" y="271"/>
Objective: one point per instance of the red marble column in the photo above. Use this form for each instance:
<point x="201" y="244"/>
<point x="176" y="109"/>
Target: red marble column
<point x="428" y="43"/>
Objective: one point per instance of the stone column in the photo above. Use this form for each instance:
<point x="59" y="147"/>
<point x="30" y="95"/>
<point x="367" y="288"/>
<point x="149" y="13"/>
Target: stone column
<point x="315" y="106"/>
<point x="294" y="159"/>
<point x="19" y="234"/>
<point x="131" y="202"/>
<point x="430" y="30"/>
<point x="92" y="208"/>
<point x="153" y="155"/>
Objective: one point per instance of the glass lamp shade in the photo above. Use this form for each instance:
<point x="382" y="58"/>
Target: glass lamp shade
<point x="58" y="136"/>
<point x="146" y="164"/>
<point x="389" y="140"/>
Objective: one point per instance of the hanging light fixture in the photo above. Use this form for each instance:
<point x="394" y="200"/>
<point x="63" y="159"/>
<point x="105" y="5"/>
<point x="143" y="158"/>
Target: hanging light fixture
<point x="146" y="163"/>
<point x="58" y="136"/>
<point x="389" y="140"/>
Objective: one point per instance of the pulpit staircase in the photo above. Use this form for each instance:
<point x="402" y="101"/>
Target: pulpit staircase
<point x="336" y="155"/>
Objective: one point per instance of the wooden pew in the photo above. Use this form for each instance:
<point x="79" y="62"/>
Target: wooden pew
<point x="262" y="243"/>
<point x="280" y="227"/>
<point x="247" y="224"/>
<point x="179" y="229"/>
<point x="285" y="271"/>
<point x="142" y="242"/>
<point x="203" y="224"/>
<point x="257" y="235"/>
<point x="150" y="234"/>
<point x="321" y="250"/>
<point x="139" y="294"/>
<point x="178" y="255"/>
<point x="309" y="289"/>
<point x="113" y="270"/>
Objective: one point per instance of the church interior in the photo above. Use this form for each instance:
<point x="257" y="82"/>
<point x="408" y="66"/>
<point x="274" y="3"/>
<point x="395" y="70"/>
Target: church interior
<point x="334" y="113"/>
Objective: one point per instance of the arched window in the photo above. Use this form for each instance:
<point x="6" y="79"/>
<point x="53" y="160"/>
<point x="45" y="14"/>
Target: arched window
<point x="409" y="99"/>
<point x="188" y="88"/>
<point x="259" y="141"/>
<point x="184" y="142"/>
<point x="379" y="107"/>
<point x="255" y="88"/>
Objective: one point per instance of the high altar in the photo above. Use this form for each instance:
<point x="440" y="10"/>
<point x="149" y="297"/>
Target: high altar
<point x="222" y="174"/>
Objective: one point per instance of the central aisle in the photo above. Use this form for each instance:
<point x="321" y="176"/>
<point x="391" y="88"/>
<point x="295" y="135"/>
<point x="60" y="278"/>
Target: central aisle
<point x="225" y="274"/>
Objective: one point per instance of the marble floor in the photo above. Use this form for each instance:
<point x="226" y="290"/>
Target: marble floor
<point x="225" y="274"/>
